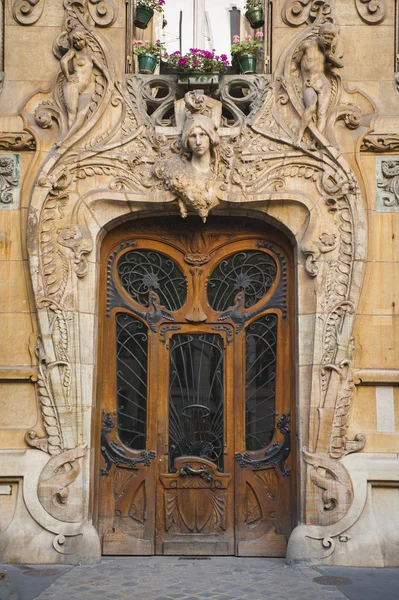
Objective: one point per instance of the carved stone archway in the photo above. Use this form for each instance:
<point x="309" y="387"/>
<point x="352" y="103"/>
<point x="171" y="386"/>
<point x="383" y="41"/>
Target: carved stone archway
<point x="119" y="164"/>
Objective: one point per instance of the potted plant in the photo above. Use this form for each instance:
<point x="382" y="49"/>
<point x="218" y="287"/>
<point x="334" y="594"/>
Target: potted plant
<point x="198" y="69"/>
<point x="254" y="13"/>
<point x="148" y="54"/>
<point x="145" y="11"/>
<point x="245" y="53"/>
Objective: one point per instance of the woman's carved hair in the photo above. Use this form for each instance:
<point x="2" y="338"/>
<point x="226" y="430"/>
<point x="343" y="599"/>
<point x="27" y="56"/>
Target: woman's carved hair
<point x="204" y="123"/>
<point x="78" y="33"/>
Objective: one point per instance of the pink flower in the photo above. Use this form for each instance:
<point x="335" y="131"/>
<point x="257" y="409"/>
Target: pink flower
<point x="236" y="39"/>
<point x="248" y="37"/>
<point x="182" y="61"/>
<point x="259" y="35"/>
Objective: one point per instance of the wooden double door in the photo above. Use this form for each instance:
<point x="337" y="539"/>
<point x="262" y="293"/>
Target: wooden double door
<point x="195" y="422"/>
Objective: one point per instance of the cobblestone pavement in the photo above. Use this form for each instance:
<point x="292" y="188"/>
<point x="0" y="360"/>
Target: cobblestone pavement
<point x="174" y="578"/>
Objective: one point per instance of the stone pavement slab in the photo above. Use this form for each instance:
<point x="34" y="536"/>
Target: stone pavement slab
<point x="174" y="578"/>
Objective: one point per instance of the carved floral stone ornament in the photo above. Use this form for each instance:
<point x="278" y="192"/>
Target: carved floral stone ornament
<point x="105" y="157"/>
<point x="387" y="184"/>
<point x="9" y="180"/>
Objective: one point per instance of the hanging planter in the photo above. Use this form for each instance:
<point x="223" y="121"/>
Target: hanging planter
<point x="147" y="63"/>
<point x="195" y="80"/>
<point x="143" y="16"/>
<point x="245" y="53"/>
<point x="247" y="63"/>
<point x="256" y="17"/>
<point x="148" y="54"/>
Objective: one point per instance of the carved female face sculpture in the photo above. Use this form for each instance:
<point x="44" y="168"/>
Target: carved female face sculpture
<point x="198" y="141"/>
<point x="199" y="135"/>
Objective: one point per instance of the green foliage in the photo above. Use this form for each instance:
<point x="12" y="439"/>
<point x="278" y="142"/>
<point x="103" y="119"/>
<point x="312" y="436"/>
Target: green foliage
<point x="147" y="47"/>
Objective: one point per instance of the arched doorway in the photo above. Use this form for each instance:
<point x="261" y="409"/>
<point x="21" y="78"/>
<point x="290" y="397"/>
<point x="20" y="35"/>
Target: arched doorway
<point x="196" y="389"/>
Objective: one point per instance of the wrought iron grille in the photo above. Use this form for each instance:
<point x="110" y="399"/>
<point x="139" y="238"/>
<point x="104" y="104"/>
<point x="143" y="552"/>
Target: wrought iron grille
<point x="260" y="381"/>
<point x="196" y="398"/>
<point x="142" y="271"/>
<point x="252" y="272"/>
<point x="131" y="380"/>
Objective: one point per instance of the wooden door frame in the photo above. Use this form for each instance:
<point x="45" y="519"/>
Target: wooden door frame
<point x="120" y="232"/>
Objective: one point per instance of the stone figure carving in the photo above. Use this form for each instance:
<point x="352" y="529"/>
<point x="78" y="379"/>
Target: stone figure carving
<point x="315" y="57"/>
<point x="77" y="67"/>
<point x="192" y="174"/>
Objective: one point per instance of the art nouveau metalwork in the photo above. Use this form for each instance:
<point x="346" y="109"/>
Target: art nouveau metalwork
<point x="196" y="398"/>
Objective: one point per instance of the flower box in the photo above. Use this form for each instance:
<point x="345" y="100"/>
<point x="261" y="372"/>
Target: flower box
<point x="198" y="81"/>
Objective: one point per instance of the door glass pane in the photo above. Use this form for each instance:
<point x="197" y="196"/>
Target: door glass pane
<point x="196" y="398"/>
<point x="131" y="380"/>
<point x="253" y="272"/>
<point x="142" y="271"/>
<point x="260" y="381"/>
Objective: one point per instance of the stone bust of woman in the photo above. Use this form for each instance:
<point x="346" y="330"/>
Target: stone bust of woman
<point x="192" y="174"/>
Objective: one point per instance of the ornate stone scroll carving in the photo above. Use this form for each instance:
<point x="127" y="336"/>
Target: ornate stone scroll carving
<point x="379" y="142"/>
<point x="371" y="12"/>
<point x="388" y="182"/>
<point x="9" y="179"/>
<point x="17" y="142"/>
<point x="331" y="477"/>
<point x="103" y="12"/>
<point x="27" y="12"/>
<point x="48" y="405"/>
<point x="121" y="161"/>
<point x="55" y="485"/>
<point x="298" y="12"/>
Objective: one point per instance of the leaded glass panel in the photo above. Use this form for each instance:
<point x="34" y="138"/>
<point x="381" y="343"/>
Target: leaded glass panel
<point x="142" y="271"/>
<point x="131" y="380"/>
<point x="196" y="398"/>
<point x="252" y="271"/>
<point x="260" y="381"/>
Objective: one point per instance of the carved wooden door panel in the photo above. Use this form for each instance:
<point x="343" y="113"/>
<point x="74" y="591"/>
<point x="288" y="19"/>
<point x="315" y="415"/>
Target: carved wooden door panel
<point x="195" y="390"/>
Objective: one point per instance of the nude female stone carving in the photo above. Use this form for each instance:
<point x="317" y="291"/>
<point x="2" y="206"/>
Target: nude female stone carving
<point x="191" y="175"/>
<point x="315" y="56"/>
<point x="78" y="89"/>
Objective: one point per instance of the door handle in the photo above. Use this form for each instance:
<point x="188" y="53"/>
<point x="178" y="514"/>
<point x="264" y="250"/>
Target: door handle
<point x="201" y="472"/>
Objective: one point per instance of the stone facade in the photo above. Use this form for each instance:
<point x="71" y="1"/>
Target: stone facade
<point x="316" y="155"/>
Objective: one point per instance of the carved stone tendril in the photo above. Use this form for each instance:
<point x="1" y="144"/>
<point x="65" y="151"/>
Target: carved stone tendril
<point x="103" y="13"/>
<point x="371" y="12"/>
<point x="27" y="12"/>
<point x="298" y="12"/>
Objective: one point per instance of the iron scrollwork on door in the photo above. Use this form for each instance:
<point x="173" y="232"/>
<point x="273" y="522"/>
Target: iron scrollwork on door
<point x="114" y="454"/>
<point x="242" y="280"/>
<point x="202" y="472"/>
<point x="150" y="279"/>
<point x="276" y="455"/>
